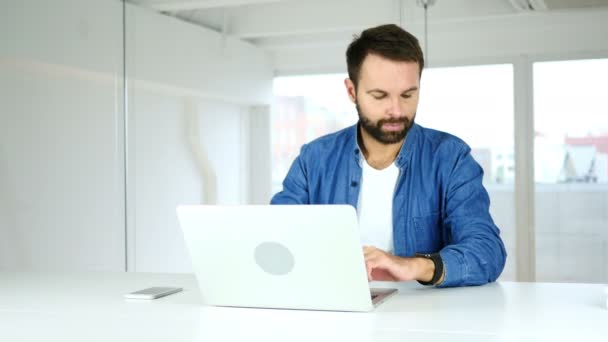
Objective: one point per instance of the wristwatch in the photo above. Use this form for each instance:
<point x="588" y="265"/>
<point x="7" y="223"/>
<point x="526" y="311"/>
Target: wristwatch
<point x="436" y="259"/>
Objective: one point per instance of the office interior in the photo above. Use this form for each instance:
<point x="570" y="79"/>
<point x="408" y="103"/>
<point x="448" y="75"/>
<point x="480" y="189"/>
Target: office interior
<point x="113" y="113"/>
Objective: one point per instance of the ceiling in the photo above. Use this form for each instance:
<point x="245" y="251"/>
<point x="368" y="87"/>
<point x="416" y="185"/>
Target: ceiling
<point x="309" y="36"/>
<point x="278" y="23"/>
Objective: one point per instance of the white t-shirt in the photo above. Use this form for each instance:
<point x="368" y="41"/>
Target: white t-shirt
<point x="375" y="207"/>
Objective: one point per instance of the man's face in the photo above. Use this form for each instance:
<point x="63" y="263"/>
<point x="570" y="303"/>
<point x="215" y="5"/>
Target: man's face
<point x="386" y="97"/>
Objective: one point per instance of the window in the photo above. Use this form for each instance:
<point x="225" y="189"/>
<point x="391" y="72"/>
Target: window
<point x="305" y="108"/>
<point x="571" y="170"/>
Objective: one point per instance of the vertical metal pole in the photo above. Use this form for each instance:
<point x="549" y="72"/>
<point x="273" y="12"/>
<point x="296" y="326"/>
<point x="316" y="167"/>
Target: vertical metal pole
<point x="524" y="172"/>
<point x="125" y="132"/>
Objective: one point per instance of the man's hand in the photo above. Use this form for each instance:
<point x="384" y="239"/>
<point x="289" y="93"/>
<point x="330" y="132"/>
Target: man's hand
<point x="383" y="266"/>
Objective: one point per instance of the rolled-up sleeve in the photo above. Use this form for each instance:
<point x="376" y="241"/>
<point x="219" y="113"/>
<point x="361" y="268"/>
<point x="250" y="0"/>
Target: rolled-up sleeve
<point x="474" y="253"/>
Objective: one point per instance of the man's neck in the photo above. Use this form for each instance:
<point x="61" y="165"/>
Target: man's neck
<point x="378" y="155"/>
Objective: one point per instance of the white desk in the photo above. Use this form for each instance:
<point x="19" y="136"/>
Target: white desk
<point x="90" y="307"/>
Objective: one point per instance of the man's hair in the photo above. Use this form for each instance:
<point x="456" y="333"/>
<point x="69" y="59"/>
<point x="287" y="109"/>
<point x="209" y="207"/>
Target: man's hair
<point x="388" y="41"/>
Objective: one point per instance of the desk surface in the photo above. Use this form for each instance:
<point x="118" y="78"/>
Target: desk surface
<point x="90" y="307"/>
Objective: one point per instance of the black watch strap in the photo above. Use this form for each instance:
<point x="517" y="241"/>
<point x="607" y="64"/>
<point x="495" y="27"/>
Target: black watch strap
<point x="436" y="259"/>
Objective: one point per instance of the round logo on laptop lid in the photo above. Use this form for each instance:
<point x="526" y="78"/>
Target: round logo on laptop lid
<point x="274" y="258"/>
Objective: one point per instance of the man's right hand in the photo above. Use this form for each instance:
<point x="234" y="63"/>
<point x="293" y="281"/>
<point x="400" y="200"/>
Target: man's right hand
<point x="383" y="266"/>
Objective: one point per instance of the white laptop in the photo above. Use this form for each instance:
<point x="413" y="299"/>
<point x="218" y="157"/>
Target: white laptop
<point x="279" y="256"/>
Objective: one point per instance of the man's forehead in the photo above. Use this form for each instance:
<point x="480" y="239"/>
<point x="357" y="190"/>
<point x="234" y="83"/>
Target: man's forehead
<point x="378" y="72"/>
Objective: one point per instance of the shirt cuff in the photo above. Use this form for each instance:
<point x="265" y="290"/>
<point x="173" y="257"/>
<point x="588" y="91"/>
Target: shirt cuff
<point x="453" y="268"/>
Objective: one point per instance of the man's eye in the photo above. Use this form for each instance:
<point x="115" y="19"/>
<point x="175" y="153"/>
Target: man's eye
<point x="406" y="96"/>
<point x="379" y="97"/>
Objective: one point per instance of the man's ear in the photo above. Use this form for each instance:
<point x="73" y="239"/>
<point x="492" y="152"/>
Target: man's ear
<point x="350" y="88"/>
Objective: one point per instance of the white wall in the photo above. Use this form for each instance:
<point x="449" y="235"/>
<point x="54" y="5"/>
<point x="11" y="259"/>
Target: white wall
<point x="166" y="171"/>
<point x="61" y="185"/>
<point x="61" y="132"/>
<point x="189" y="130"/>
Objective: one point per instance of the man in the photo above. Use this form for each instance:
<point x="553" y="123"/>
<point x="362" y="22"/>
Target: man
<point x="423" y="211"/>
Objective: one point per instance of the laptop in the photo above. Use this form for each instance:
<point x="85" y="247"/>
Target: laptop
<point x="279" y="256"/>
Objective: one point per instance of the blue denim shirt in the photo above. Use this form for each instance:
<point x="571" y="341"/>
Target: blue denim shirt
<point x="440" y="204"/>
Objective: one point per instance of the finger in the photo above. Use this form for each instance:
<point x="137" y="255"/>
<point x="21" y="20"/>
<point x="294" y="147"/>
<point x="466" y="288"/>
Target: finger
<point x="372" y="251"/>
<point x="376" y="255"/>
<point x="380" y="261"/>
<point x="380" y="270"/>
<point x="382" y="275"/>
<point x="372" y="256"/>
<point x="376" y="251"/>
<point x="375" y="263"/>
<point x="375" y="271"/>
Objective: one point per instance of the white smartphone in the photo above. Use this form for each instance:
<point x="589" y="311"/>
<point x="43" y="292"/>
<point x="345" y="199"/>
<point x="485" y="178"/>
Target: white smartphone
<point x="152" y="292"/>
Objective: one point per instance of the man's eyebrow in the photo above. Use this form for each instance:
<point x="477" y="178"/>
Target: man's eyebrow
<point x="376" y="91"/>
<point x="384" y="92"/>
<point x="411" y="89"/>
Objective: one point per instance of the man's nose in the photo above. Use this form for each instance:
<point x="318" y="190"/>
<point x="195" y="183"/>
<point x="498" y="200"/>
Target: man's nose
<point x="394" y="109"/>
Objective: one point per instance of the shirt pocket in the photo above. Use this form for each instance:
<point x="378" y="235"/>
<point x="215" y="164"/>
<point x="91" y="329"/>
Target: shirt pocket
<point x="427" y="229"/>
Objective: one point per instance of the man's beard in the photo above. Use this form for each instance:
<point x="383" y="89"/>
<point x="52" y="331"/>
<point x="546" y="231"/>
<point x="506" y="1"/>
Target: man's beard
<point x="384" y="137"/>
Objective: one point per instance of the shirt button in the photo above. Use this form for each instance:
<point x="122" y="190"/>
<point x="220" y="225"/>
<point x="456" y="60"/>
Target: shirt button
<point x="354" y="183"/>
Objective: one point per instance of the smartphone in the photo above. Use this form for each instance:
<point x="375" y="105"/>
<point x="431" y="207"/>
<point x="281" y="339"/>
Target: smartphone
<point x="152" y="292"/>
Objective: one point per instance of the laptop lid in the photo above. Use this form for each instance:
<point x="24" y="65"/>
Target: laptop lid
<point x="280" y="256"/>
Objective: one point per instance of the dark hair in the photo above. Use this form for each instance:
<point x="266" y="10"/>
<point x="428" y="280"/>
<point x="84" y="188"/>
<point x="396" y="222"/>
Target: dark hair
<point x="388" y="41"/>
